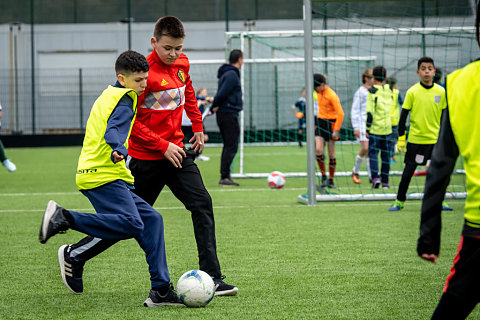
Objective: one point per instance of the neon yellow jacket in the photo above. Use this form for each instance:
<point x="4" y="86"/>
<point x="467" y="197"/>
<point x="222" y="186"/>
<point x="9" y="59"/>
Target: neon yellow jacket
<point x="95" y="167"/>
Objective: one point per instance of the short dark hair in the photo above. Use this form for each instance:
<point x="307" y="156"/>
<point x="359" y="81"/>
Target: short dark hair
<point x="131" y="61"/>
<point x="319" y="79"/>
<point x="379" y="73"/>
<point x="367" y="73"/>
<point x="391" y="81"/>
<point x="425" y="60"/>
<point x="169" y="26"/>
<point x="234" y="56"/>
<point x="438" y="75"/>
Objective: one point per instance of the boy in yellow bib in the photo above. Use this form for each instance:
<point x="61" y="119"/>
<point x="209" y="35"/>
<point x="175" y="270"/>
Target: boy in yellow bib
<point x="424" y="102"/>
<point x="104" y="179"/>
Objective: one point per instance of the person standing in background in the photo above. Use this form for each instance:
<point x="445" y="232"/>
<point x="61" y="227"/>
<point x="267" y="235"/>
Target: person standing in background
<point x="359" y="122"/>
<point x="298" y="109"/>
<point x="329" y="121"/>
<point x="3" y="158"/>
<point x="227" y="104"/>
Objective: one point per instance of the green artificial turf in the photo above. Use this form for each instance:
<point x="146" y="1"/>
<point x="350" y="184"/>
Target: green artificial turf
<point x="341" y="260"/>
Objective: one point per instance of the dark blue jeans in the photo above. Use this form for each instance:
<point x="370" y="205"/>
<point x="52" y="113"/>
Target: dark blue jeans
<point x="379" y="143"/>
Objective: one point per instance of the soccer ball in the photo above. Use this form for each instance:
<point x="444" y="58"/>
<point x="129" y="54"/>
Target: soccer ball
<point x="276" y="180"/>
<point x="195" y="288"/>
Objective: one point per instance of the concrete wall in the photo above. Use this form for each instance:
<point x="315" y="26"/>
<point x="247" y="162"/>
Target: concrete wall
<point x="74" y="63"/>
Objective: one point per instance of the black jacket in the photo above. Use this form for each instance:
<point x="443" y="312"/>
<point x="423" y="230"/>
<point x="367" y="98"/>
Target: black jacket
<point x="229" y="93"/>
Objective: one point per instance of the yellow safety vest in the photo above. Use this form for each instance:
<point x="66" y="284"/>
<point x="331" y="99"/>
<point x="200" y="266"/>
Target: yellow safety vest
<point x="95" y="167"/>
<point x="463" y="102"/>
<point x="395" y="111"/>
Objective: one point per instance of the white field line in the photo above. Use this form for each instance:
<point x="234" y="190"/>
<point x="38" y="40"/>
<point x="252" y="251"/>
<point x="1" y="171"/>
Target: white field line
<point x="293" y="205"/>
<point x="227" y="189"/>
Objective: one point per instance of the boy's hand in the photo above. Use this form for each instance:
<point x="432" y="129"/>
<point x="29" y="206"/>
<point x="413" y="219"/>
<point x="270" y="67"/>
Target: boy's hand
<point x="402" y="144"/>
<point x="356" y="133"/>
<point x="175" y="155"/>
<point x="214" y="109"/>
<point x="430" y="257"/>
<point x="335" y="135"/>
<point x="117" y="156"/>
<point x="198" y="141"/>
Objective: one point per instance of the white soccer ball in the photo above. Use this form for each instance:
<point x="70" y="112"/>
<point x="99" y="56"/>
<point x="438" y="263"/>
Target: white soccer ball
<point x="195" y="288"/>
<point x="276" y="180"/>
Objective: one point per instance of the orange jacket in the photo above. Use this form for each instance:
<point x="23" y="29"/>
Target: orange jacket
<point x="160" y="109"/>
<point x="329" y="107"/>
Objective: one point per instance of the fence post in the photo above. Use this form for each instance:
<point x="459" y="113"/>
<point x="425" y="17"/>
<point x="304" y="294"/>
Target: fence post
<point x="80" y="96"/>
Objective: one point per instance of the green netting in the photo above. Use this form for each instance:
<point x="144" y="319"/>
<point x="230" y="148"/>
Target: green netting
<point x="343" y="46"/>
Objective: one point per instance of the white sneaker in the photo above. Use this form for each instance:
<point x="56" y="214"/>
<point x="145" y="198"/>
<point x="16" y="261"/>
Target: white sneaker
<point x="201" y="157"/>
<point x="9" y="165"/>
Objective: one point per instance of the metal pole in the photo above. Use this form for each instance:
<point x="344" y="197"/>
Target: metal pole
<point x="129" y="16"/>
<point x="226" y="16"/>
<point x="307" y="38"/>
<point x="423" y="26"/>
<point x="242" y="113"/>
<point x="80" y="96"/>
<point x="325" y="39"/>
<point x="15" y="48"/>
<point x="32" y="41"/>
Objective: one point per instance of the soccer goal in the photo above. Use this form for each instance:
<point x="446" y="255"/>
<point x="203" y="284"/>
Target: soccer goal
<point x="273" y="77"/>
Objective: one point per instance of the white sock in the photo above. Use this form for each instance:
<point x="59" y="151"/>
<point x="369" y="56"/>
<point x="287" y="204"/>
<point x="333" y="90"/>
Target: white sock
<point x="358" y="164"/>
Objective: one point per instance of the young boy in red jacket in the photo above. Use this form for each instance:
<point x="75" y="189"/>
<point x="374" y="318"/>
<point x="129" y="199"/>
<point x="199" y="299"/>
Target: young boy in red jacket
<point x="156" y="143"/>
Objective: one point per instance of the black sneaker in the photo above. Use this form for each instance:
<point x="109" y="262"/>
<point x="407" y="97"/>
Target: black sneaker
<point x="54" y="221"/>
<point x="155" y="299"/>
<point x="71" y="270"/>
<point x="330" y="184"/>
<point x="223" y="289"/>
<point x="324" y="181"/>
<point x="227" y="182"/>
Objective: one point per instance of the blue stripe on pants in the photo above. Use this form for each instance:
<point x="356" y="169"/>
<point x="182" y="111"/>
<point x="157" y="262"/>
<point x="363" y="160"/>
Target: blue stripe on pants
<point x="121" y="214"/>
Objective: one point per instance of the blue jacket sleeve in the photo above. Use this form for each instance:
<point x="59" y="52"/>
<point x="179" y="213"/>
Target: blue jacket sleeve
<point x="118" y="125"/>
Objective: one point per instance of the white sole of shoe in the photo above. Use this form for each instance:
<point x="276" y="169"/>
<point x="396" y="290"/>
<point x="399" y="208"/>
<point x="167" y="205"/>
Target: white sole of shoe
<point x="61" y="261"/>
<point x="232" y="292"/>
<point x="150" y="303"/>
<point x="49" y="211"/>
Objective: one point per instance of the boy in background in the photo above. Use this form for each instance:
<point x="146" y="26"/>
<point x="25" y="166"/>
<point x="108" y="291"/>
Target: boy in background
<point x="329" y="121"/>
<point x="202" y="101"/>
<point x="298" y="109"/>
<point x="3" y="158"/>
<point x="424" y="102"/>
<point x="104" y="179"/>
<point x="359" y="121"/>
<point x="379" y="126"/>
<point x="396" y="101"/>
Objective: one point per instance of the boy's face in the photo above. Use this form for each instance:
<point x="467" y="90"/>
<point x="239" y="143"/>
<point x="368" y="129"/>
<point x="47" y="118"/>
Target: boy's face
<point x="320" y="88"/>
<point x="135" y="80"/>
<point x="168" y="49"/>
<point x="426" y="72"/>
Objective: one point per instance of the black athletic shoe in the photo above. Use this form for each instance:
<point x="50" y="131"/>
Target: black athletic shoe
<point x="155" y="299"/>
<point x="223" y="289"/>
<point x="330" y="184"/>
<point x="227" y="182"/>
<point x="324" y="181"/>
<point x="71" y="270"/>
<point x="54" y="221"/>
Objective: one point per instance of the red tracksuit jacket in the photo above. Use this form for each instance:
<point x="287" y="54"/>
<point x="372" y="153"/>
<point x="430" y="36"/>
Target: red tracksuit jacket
<point x="159" y="116"/>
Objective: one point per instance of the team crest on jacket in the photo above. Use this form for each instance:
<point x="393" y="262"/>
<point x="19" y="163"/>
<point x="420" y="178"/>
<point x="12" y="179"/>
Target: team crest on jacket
<point x="181" y="75"/>
<point x="438" y="99"/>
